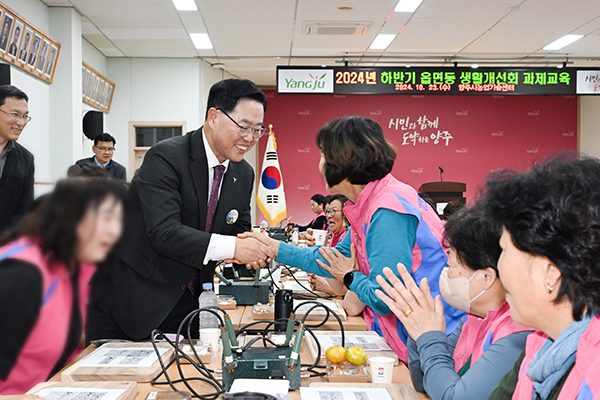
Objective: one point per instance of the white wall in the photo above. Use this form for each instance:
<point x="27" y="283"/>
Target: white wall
<point x="589" y="125"/>
<point x="36" y="136"/>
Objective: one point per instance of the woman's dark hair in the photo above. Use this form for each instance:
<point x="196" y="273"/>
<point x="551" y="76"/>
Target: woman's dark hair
<point x="340" y="197"/>
<point x="56" y="219"/>
<point x="87" y="170"/>
<point x="225" y="94"/>
<point x="319" y="199"/>
<point x="475" y="237"/>
<point x="355" y="148"/>
<point x="553" y="211"/>
<point x="451" y="208"/>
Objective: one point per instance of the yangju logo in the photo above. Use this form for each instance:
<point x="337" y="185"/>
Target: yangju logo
<point x="317" y="82"/>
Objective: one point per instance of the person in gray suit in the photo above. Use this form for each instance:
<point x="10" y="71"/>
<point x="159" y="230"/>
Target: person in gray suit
<point x="187" y="202"/>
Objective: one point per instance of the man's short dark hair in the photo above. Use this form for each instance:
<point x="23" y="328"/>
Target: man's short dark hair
<point x="7" y="91"/>
<point x="104" y="137"/>
<point x="225" y="94"/>
<point x="354" y="148"/>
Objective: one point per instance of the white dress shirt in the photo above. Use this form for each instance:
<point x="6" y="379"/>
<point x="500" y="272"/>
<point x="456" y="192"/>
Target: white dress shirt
<point x="220" y="247"/>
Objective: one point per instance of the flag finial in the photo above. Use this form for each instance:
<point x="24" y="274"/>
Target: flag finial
<point x="272" y="134"/>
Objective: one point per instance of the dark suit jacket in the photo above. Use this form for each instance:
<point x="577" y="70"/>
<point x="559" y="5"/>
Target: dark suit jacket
<point x="116" y="170"/>
<point x="16" y="186"/>
<point x="164" y="244"/>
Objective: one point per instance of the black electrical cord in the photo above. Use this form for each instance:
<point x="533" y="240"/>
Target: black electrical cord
<point x="304" y="296"/>
<point x="201" y="368"/>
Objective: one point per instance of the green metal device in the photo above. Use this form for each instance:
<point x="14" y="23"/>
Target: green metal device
<point x="262" y="363"/>
<point x="247" y="292"/>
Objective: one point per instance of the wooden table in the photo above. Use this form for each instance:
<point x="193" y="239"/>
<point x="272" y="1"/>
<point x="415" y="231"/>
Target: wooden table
<point x="351" y="323"/>
<point x="401" y="375"/>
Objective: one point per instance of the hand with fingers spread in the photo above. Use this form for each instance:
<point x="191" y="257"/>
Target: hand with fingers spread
<point x="418" y="311"/>
<point x="339" y="265"/>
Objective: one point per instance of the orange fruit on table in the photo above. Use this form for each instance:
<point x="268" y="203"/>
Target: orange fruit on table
<point x="356" y="355"/>
<point x="336" y="354"/>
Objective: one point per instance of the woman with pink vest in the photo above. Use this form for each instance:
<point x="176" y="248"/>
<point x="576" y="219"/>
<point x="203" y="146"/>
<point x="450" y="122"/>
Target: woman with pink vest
<point x="46" y="265"/>
<point x="471" y="362"/>
<point x="550" y="267"/>
<point x="390" y="224"/>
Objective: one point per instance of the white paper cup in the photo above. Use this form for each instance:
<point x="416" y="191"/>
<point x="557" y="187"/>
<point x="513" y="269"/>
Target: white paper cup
<point x="213" y="336"/>
<point x="382" y="369"/>
<point x="320" y="235"/>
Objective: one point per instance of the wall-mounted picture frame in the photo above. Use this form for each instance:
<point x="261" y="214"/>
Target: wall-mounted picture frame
<point x="15" y="40"/>
<point x="26" y="47"/>
<point x="96" y="89"/>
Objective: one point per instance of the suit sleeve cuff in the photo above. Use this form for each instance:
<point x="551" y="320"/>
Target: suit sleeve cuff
<point x="220" y="247"/>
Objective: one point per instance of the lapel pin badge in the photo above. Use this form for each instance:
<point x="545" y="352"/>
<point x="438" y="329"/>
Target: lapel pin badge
<point x="234" y="179"/>
<point x="232" y="216"/>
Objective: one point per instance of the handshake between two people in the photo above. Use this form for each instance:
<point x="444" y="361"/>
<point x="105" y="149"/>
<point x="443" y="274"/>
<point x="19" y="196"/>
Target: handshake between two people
<point x="254" y="249"/>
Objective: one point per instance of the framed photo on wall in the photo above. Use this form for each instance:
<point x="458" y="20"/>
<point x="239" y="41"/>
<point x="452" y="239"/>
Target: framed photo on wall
<point x="96" y="89"/>
<point x="35" y="50"/>
<point x="27" y="47"/>
<point x="7" y="24"/>
<point x="43" y="56"/>
<point x="15" y="41"/>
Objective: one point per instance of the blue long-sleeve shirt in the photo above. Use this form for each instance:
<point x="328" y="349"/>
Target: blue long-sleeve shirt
<point x="432" y="367"/>
<point x="390" y="240"/>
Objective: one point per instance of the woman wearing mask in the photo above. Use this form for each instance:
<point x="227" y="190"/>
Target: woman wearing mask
<point x="550" y="267"/>
<point x="470" y="363"/>
<point x="46" y="264"/>
<point x="389" y="222"/>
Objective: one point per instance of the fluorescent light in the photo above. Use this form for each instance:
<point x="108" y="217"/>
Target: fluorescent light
<point x="382" y="41"/>
<point x="407" y="5"/>
<point x="474" y="66"/>
<point x="562" y="42"/>
<point x="185" y="5"/>
<point x="201" y="41"/>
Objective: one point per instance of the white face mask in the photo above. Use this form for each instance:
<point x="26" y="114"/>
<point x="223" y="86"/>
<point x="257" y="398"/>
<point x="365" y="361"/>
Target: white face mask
<point x="456" y="290"/>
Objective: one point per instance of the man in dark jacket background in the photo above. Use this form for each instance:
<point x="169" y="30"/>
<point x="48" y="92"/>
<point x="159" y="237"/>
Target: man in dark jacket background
<point x="104" y="149"/>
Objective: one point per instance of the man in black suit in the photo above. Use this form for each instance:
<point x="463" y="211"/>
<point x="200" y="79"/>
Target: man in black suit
<point x="16" y="163"/>
<point x="169" y="248"/>
<point x="104" y="149"/>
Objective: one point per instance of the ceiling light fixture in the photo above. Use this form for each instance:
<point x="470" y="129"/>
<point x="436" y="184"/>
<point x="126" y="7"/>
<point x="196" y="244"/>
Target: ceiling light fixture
<point x="562" y="42"/>
<point x="382" y="41"/>
<point x="407" y="5"/>
<point x="474" y="66"/>
<point x="185" y="5"/>
<point x="201" y="41"/>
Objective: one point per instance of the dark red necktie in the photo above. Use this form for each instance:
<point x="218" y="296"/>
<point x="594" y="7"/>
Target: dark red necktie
<point x="194" y="284"/>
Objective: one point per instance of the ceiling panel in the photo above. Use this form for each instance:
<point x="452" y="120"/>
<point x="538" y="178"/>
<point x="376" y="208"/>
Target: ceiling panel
<point x="258" y="31"/>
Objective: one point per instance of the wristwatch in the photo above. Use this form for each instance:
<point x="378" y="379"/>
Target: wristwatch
<point x="348" y="278"/>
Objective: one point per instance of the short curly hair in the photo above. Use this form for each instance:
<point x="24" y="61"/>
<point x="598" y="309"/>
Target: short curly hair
<point x="553" y="211"/>
<point x="475" y="237"/>
<point x="354" y="148"/>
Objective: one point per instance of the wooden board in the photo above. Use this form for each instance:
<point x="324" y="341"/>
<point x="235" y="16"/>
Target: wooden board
<point x="131" y="388"/>
<point x="312" y="345"/>
<point x="351" y="323"/>
<point x="397" y="391"/>
<point x="319" y="313"/>
<point x="78" y="373"/>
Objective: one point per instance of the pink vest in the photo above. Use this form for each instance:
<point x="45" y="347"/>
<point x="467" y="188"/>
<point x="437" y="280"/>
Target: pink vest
<point x="389" y="193"/>
<point x="479" y="333"/>
<point x="48" y="338"/>
<point x="337" y="237"/>
<point x="583" y="382"/>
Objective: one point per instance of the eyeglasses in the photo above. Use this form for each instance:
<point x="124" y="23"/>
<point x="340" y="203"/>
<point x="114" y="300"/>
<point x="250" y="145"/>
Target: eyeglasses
<point x="331" y="212"/>
<point x="15" y="116"/>
<point x="246" y="130"/>
<point x="106" y="149"/>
